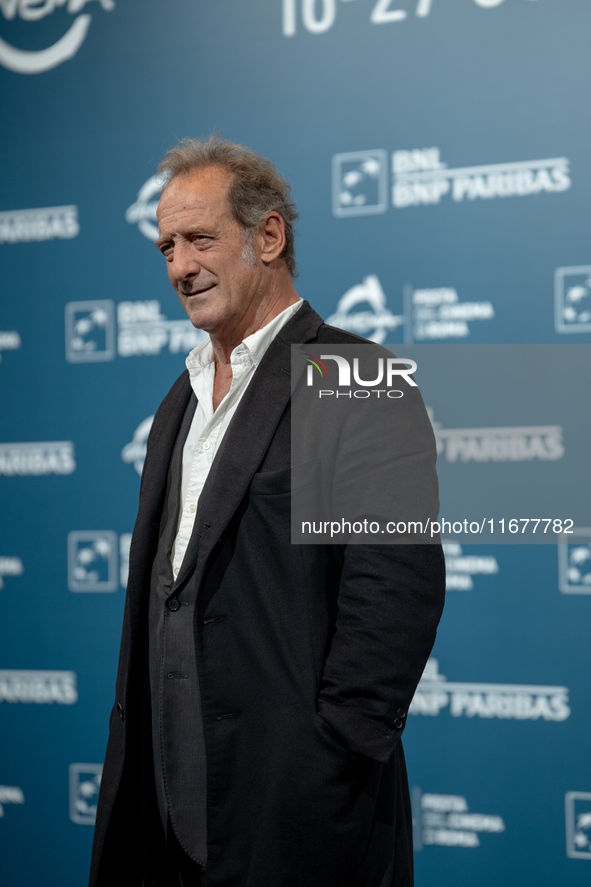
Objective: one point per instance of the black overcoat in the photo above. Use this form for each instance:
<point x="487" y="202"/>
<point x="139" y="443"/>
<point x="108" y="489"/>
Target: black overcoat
<point x="308" y="658"/>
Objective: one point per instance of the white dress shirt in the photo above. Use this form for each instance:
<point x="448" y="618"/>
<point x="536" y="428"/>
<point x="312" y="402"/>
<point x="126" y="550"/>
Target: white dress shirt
<point x="208" y="426"/>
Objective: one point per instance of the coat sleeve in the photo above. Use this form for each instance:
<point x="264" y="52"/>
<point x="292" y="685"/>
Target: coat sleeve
<point x="390" y="597"/>
<point x="390" y="602"/>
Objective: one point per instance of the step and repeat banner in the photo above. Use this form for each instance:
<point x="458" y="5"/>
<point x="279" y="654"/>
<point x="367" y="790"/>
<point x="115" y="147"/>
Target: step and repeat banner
<point x="440" y="157"/>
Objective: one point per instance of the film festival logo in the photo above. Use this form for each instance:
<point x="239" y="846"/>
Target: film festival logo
<point x="504" y="701"/>
<point x="578" y="825"/>
<point x="362" y="310"/>
<point x="134" y="452"/>
<point x="572" y="299"/>
<point x="429" y="314"/>
<point x="439" y="314"/>
<point x="574" y="562"/>
<point x="420" y="178"/>
<point x="24" y="61"/>
<point x="143" y="212"/>
<point x="98" y="560"/>
<point x="446" y="821"/>
<point x="85" y="782"/>
<point x="460" y="567"/>
<point x="141" y="329"/>
<point x="38" y="687"/>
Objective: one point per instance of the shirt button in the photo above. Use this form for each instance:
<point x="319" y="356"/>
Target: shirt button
<point x="206" y="444"/>
<point x="176" y="572"/>
<point x="193" y="509"/>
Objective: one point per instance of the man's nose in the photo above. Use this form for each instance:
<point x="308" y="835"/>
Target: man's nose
<point x="184" y="262"/>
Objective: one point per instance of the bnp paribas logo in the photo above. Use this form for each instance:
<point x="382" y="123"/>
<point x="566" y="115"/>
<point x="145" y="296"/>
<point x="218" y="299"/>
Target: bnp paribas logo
<point x="26" y="61"/>
<point x="419" y="177"/>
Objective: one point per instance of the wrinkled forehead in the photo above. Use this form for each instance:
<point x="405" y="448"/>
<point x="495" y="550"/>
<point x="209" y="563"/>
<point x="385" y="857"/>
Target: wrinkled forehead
<point x="203" y="191"/>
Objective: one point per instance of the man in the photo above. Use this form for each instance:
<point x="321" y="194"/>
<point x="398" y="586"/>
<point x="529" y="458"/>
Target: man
<point x="263" y="687"/>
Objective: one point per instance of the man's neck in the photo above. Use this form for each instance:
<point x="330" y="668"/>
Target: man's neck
<point x="223" y="367"/>
<point x="223" y="343"/>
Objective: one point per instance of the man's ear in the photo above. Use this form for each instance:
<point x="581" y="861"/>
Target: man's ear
<point x="272" y="234"/>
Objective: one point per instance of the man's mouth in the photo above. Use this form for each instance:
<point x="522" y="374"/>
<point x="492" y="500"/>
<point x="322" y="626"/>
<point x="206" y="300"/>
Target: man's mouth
<point x="200" y="292"/>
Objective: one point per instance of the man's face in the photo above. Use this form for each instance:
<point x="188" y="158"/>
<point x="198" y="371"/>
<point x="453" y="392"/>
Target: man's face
<point x="204" y="250"/>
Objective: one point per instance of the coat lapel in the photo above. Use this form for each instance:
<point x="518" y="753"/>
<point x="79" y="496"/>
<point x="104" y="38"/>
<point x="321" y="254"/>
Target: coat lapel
<point x="152" y="492"/>
<point x="247" y="438"/>
<point x="161" y="444"/>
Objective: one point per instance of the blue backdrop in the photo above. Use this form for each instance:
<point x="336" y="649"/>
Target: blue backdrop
<point x="439" y="156"/>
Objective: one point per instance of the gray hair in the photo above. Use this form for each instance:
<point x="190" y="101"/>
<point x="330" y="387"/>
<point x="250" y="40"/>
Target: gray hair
<point x="256" y="188"/>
